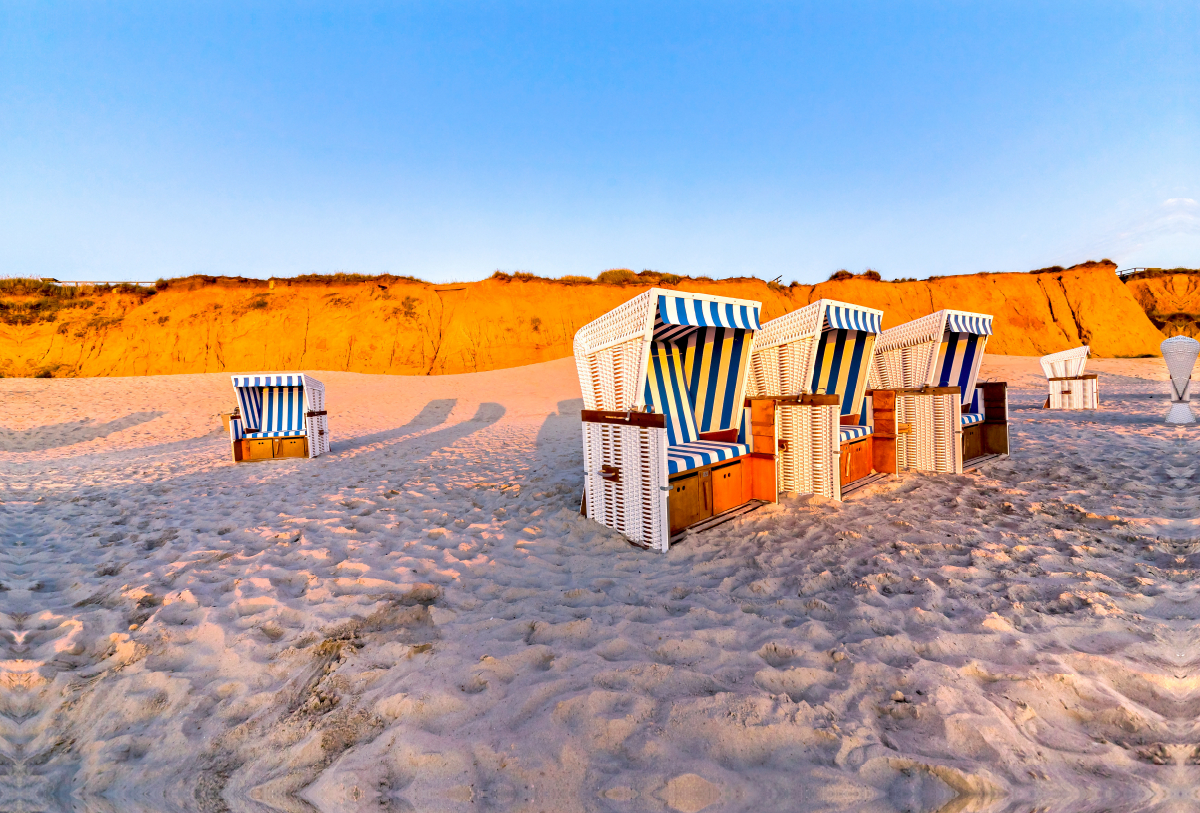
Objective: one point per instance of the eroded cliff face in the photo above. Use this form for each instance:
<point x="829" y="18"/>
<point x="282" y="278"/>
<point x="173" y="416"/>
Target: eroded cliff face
<point x="1171" y="300"/>
<point x="402" y="326"/>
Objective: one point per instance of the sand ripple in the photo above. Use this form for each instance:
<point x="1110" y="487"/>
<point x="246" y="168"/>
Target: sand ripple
<point x="422" y="621"/>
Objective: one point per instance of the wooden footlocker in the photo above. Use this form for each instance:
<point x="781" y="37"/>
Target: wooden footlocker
<point x="269" y="448"/>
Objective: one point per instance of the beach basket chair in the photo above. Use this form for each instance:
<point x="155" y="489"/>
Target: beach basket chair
<point x="1180" y="352"/>
<point x="1070" y="387"/>
<point x="665" y="434"/>
<point x="945" y="417"/>
<point x="813" y="365"/>
<point x="278" y="415"/>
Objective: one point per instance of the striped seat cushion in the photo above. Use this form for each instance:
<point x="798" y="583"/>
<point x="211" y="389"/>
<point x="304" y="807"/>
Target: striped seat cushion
<point x="969" y="418"/>
<point x="849" y="433"/>
<point x="701" y="453"/>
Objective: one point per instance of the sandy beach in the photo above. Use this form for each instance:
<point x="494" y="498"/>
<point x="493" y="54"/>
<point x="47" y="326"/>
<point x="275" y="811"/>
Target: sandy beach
<point x="422" y="621"/>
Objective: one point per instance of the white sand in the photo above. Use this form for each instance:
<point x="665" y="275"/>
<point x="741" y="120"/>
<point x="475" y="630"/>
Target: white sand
<point x="421" y="620"/>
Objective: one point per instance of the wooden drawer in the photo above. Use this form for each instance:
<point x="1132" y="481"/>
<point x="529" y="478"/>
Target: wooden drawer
<point x="727" y="486"/>
<point x="291" y="447"/>
<point x="258" y="449"/>
<point x="690" y="500"/>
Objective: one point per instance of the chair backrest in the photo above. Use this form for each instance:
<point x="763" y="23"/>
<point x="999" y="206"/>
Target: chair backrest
<point x="667" y="392"/>
<point x="958" y="363"/>
<point x="840" y="367"/>
<point x="715" y="363"/>
<point x="283" y="409"/>
<point x="943" y="349"/>
<point x="1066" y="363"/>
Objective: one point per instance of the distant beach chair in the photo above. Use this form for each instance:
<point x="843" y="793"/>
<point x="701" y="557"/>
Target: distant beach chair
<point x="1070" y="388"/>
<point x="945" y="416"/>
<point x="811" y="366"/>
<point x="1180" y="352"/>
<point x="278" y="415"/>
<point x="665" y="435"/>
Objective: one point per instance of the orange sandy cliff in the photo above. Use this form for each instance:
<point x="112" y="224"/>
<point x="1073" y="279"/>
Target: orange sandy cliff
<point x="403" y="326"/>
<point x="1170" y="298"/>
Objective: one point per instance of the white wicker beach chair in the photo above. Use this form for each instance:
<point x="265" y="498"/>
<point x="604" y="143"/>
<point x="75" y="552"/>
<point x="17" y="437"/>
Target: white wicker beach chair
<point x="1180" y="352"/>
<point x="278" y="415"/>
<point x="944" y="415"/>
<point x="665" y="434"/>
<point x="814" y="363"/>
<point x="1070" y="388"/>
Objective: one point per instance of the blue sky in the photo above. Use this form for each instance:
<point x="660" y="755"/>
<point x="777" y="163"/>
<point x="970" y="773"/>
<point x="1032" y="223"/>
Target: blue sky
<point x="447" y="140"/>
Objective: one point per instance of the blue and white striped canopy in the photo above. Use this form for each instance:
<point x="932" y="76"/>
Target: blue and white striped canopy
<point x="680" y="314"/>
<point x="978" y="323"/>
<point x="843" y="317"/>
<point x="268" y="380"/>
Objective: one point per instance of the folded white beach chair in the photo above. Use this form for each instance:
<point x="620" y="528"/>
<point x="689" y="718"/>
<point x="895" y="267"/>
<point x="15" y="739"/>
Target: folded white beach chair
<point x="945" y="417"/>
<point x="1070" y="388"/>
<point x="278" y="415"/>
<point x="1180" y="352"/>
<point x="665" y="439"/>
<point x="813" y="364"/>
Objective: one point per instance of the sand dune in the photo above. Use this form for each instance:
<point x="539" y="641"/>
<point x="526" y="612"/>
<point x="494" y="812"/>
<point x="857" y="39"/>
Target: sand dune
<point x="404" y="326"/>
<point x="421" y="620"/>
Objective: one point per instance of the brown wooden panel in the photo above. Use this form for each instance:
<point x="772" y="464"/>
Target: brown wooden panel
<point x="995" y="401"/>
<point x="721" y="435"/>
<point x="972" y="441"/>
<point x="883" y="410"/>
<point x="762" y="478"/>
<point x="683" y="503"/>
<point x="727" y="486"/>
<point x="857" y="459"/>
<point x="239" y="450"/>
<point x="883" y="453"/>
<point x="995" y="438"/>
<point x="762" y="413"/>
<point x="651" y="419"/>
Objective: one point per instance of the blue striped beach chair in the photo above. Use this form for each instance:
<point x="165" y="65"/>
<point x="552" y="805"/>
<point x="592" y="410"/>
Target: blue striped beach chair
<point x="278" y="415"/>
<point x="665" y="435"/>
<point x="946" y="416"/>
<point x="813" y="363"/>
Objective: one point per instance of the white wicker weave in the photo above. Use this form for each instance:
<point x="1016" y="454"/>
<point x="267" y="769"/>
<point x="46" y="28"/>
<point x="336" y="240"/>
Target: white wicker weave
<point x="1066" y="363"/>
<point x="317" y="425"/>
<point x="811" y="462"/>
<point x="1074" y="393"/>
<point x="635" y="504"/>
<point x="1180" y="354"/>
<point x="933" y="442"/>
